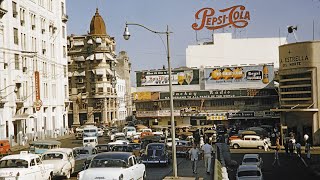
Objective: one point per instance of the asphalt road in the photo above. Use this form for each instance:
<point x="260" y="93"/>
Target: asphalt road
<point x="291" y="168"/>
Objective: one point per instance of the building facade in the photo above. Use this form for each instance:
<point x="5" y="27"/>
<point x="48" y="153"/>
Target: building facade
<point x="230" y="95"/>
<point x="225" y="50"/>
<point x="299" y="89"/>
<point x="97" y="90"/>
<point x="33" y="65"/>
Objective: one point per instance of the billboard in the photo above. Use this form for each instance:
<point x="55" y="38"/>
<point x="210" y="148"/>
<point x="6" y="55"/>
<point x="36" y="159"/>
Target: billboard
<point x="255" y="76"/>
<point x="161" y="77"/>
<point x="145" y="96"/>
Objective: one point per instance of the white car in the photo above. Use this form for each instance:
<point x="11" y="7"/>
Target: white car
<point x="246" y="172"/>
<point x="115" y="135"/>
<point x="100" y="132"/>
<point x="90" y="141"/>
<point x="25" y="166"/>
<point x="169" y="141"/>
<point x="252" y="159"/>
<point x="62" y="159"/>
<point x="248" y="141"/>
<point x="114" y="165"/>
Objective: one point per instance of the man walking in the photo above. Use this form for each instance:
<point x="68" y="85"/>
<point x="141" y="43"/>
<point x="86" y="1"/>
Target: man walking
<point x="194" y="156"/>
<point x="276" y="152"/>
<point x="207" y="150"/>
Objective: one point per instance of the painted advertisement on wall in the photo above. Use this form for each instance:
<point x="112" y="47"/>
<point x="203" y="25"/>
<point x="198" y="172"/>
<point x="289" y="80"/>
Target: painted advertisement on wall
<point x="161" y="77"/>
<point x="256" y="76"/>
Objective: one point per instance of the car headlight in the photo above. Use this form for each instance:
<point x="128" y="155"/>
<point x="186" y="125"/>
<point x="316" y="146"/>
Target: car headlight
<point x="121" y="177"/>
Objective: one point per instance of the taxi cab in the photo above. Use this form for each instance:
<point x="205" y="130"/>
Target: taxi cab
<point x="24" y="166"/>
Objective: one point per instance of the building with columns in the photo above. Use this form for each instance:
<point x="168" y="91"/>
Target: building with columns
<point x="93" y="81"/>
<point x="33" y="69"/>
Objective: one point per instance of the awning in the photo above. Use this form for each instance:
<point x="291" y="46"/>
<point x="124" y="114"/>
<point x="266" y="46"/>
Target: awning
<point x="91" y="57"/>
<point x="20" y="116"/>
<point x="99" y="56"/>
<point x="109" y="57"/>
<point x="100" y="72"/>
<point x="79" y="58"/>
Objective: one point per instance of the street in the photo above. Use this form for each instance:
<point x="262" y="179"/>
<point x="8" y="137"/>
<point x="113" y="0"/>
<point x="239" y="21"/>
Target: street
<point x="290" y="167"/>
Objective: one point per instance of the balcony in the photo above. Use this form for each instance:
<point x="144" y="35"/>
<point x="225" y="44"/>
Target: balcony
<point x="2" y="12"/>
<point x="64" y="18"/>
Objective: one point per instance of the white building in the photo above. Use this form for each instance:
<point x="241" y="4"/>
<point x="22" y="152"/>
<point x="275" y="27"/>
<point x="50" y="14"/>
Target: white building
<point x="121" y="96"/>
<point x="228" y="51"/>
<point x="33" y="39"/>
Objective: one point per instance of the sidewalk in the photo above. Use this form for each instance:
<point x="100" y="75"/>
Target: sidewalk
<point x="26" y="147"/>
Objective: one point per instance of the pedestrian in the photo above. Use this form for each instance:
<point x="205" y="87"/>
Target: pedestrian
<point x="265" y="144"/>
<point x="286" y="146"/>
<point x="207" y="154"/>
<point x="290" y="146"/>
<point x="308" y="150"/>
<point x="306" y="138"/>
<point x="194" y="156"/>
<point x="276" y="153"/>
<point x="298" y="148"/>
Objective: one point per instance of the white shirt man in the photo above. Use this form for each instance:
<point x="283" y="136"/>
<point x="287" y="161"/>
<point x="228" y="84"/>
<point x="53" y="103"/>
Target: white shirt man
<point x="194" y="156"/>
<point x="207" y="150"/>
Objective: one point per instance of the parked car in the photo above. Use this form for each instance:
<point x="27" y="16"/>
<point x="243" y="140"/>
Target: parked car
<point x="113" y="165"/>
<point x="79" y="132"/>
<point x="252" y="159"/>
<point x="156" y="153"/>
<point x="62" y="159"/>
<point x="183" y="147"/>
<point x="90" y="131"/>
<point x="90" y="141"/>
<point x="248" y="141"/>
<point x="83" y="154"/>
<point x="103" y="148"/>
<point x="246" y="172"/>
<point x="25" y="166"/>
<point x="41" y="146"/>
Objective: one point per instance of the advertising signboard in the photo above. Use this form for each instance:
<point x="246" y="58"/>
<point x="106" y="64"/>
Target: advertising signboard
<point x="145" y="96"/>
<point x="38" y="103"/>
<point x="161" y="77"/>
<point x="255" y="76"/>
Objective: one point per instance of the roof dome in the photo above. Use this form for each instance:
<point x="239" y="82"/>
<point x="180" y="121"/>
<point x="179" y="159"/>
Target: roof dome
<point x="97" y="26"/>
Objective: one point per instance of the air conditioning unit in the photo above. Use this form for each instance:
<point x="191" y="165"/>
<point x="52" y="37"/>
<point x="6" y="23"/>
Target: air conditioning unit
<point x="22" y="22"/>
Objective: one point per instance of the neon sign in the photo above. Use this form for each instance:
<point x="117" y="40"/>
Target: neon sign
<point x="235" y="16"/>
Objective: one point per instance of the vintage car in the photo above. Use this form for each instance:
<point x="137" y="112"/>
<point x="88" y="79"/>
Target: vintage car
<point x="113" y="165"/>
<point x="183" y="147"/>
<point x="62" y="159"/>
<point x="100" y="132"/>
<point x="114" y="136"/>
<point x="121" y="148"/>
<point x="41" y="146"/>
<point x="90" y="141"/>
<point x="248" y="141"/>
<point x="169" y="141"/>
<point x="103" y="148"/>
<point x="79" y="133"/>
<point x="252" y="159"/>
<point x="246" y="172"/>
<point x="25" y="166"/>
<point x="156" y="153"/>
<point x="82" y="155"/>
<point x="136" y="148"/>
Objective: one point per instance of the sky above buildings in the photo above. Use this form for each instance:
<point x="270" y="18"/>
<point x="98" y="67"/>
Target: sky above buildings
<point x="268" y="18"/>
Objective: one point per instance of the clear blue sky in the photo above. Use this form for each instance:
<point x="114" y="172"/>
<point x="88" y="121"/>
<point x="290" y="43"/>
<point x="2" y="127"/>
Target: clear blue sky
<point x="145" y="49"/>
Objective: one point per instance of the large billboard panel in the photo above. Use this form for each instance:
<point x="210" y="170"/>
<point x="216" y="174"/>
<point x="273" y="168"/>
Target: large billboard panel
<point x="255" y="76"/>
<point x="161" y="77"/>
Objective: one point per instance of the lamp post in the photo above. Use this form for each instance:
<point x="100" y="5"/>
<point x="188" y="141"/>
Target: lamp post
<point x="126" y="36"/>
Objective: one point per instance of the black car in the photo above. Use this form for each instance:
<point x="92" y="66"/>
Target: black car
<point x="156" y="153"/>
<point x="82" y="156"/>
<point x="121" y="148"/>
<point x="103" y="148"/>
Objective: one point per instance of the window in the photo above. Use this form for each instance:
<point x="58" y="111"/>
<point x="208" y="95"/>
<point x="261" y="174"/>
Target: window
<point x="22" y="16"/>
<point x="66" y="91"/>
<point x="44" y="47"/>
<point x="53" y="70"/>
<point x="62" y="8"/>
<point x="15" y="35"/>
<point x="45" y="90"/>
<point x="54" y="91"/>
<point x="43" y="25"/>
<point x="38" y="161"/>
<point x="33" y="21"/>
<point x="100" y="89"/>
<point x="63" y="32"/>
<point x="32" y="163"/>
<point x="16" y="61"/>
<point x="50" y="5"/>
<point x="14" y="9"/>
<point x="64" y="52"/>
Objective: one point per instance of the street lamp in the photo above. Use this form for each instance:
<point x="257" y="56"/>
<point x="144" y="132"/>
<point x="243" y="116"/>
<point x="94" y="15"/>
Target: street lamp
<point x="126" y="36"/>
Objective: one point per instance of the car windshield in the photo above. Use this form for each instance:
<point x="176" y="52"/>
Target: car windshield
<point x="100" y="163"/>
<point x="89" y="130"/>
<point x="52" y="156"/>
<point x="155" y="147"/>
<point x="14" y="163"/>
<point x="249" y="173"/>
<point x="135" y="146"/>
<point x="82" y="151"/>
<point x="250" y="160"/>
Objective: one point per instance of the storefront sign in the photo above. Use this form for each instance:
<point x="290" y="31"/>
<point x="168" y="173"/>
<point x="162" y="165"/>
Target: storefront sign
<point x="258" y="76"/>
<point x="161" y="77"/>
<point x="217" y="118"/>
<point x="189" y="109"/>
<point x="235" y="16"/>
<point x="145" y="96"/>
<point x="241" y="114"/>
<point x="245" y="114"/>
<point x="38" y="103"/>
<point x="218" y="94"/>
<point x="161" y="113"/>
<point x="297" y="55"/>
